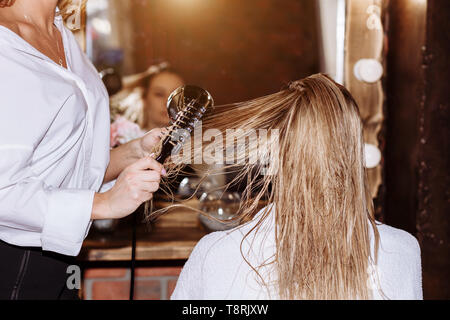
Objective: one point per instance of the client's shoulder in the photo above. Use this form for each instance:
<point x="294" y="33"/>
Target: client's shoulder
<point x="397" y="240"/>
<point x="218" y="242"/>
<point x="254" y="233"/>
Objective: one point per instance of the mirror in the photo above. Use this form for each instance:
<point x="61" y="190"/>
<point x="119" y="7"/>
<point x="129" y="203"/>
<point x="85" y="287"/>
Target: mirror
<point x="251" y="48"/>
<point x="237" y="50"/>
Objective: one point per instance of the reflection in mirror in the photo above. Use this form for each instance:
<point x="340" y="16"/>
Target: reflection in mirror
<point x="237" y="50"/>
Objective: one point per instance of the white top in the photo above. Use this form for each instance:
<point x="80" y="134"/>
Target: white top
<point x="216" y="269"/>
<point x="54" y="144"/>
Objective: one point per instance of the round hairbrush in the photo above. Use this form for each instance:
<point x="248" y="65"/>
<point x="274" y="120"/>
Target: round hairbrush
<point x="186" y="107"/>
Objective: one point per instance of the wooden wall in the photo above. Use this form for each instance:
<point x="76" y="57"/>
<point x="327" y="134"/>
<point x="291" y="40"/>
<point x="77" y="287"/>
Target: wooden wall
<point x="417" y="148"/>
<point x="365" y="40"/>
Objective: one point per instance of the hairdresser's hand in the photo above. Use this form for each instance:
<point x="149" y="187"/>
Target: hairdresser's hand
<point x="150" y="140"/>
<point x="134" y="186"/>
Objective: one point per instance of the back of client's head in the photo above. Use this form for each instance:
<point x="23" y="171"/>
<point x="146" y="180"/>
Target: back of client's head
<point x="322" y="203"/>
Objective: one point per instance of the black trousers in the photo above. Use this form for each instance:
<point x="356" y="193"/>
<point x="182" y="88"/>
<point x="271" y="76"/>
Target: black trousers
<point x="33" y="274"/>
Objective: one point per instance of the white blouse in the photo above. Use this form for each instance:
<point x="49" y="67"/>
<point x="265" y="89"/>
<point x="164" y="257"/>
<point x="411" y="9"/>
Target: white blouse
<point x="217" y="270"/>
<point x="54" y="144"/>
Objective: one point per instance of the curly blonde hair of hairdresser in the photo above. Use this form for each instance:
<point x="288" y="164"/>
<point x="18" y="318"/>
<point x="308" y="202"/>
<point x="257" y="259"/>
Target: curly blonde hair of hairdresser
<point x="323" y="207"/>
<point x="6" y="3"/>
<point x="67" y="7"/>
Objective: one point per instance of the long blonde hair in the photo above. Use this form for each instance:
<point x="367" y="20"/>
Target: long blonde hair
<point x="323" y="208"/>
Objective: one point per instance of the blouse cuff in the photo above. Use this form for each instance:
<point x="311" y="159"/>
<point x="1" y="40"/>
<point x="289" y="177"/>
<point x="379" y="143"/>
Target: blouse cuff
<point x="67" y="220"/>
<point x="107" y="186"/>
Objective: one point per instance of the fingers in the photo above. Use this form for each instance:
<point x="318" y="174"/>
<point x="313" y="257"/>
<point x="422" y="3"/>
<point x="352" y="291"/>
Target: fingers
<point x="145" y="192"/>
<point x="148" y="163"/>
<point x="149" y="187"/>
<point x="150" y="176"/>
<point x="140" y="196"/>
<point x="147" y="196"/>
<point x="151" y="139"/>
<point x="156" y="134"/>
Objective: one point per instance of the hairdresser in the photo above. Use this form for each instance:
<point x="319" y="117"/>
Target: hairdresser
<point x="54" y="152"/>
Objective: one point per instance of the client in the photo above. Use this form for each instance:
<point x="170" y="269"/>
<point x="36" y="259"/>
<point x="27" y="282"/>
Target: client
<point x="317" y="238"/>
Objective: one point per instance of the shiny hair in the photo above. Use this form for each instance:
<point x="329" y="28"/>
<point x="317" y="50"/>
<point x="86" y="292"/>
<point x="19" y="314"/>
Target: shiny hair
<point x="322" y="203"/>
<point x="6" y="3"/>
<point x="67" y="7"/>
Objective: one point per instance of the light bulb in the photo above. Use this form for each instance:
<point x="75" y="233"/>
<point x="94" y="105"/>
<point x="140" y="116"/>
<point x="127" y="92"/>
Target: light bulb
<point x="372" y="155"/>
